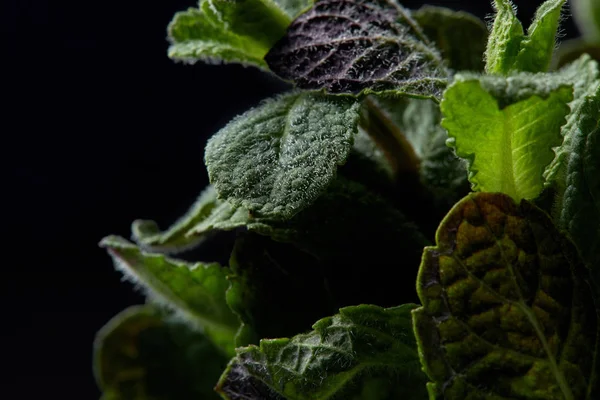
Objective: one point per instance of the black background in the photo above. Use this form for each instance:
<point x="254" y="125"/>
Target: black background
<point x="99" y="128"/>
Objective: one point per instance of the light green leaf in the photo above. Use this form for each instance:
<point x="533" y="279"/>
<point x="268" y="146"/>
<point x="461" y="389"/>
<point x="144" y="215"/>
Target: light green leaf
<point x="507" y="312"/>
<point x="460" y="36"/>
<point x="278" y="158"/>
<point x="143" y="354"/>
<point x="504" y="42"/>
<point x="363" y="353"/>
<point x="587" y="16"/>
<point x="507" y="149"/>
<point x="240" y="31"/>
<point x="293" y="8"/>
<point x="538" y="46"/>
<point x="196" y="291"/>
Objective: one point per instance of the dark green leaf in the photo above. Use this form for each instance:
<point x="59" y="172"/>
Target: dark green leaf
<point x="196" y="291"/>
<point x="460" y="36"/>
<point x="363" y="353"/>
<point x="359" y="46"/>
<point x="142" y="354"/>
<point x="277" y="159"/>
<point x="507" y="313"/>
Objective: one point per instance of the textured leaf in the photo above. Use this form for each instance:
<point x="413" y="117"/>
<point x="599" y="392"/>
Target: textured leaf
<point x="292" y="8"/>
<point x="506" y="312"/>
<point x="240" y="31"/>
<point x="504" y="42"/>
<point x="587" y="16"/>
<point x="363" y="353"/>
<point x="507" y="149"/>
<point x="277" y="159"/>
<point x="460" y="36"/>
<point x="539" y="44"/>
<point x="174" y="240"/>
<point x="142" y="354"/>
<point x="196" y="291"/>
<point x="354" y="46"/>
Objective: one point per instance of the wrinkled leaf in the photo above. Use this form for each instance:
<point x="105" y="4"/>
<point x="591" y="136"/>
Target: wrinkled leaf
<point x="460" y="36"/>
<point x="358" y="46"/>
<point x="506" y="312"/>
<point x="240" y="31"/>
<point x="277" y="159"/>
<point x="538" y="46"/>
<point x="504" y="42"/>
<point x="143" y="354"/>
<point x="507" y="149"/>
<point x="587" y="16"/>
<point x="363" y="353"/>
<point x="196" y="291"/>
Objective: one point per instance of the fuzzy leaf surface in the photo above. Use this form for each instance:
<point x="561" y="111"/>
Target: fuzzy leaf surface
<point x="278" y="158"/>
<point x="143" y="354"/>
<point x="363" y="353"/>
<point x="507" y="312"/>
<point x="460" y="36"/>
<point x="507" y="149"/>
<point x="196" y="291"/>
<point x="240" y="31"/>
<point x="504" y="42"/>
<point x="359" y="46"/>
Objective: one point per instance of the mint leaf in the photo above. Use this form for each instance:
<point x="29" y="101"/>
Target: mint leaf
<point x="460" y="36"/>
<point x="539" y="44"/>
<point x="504" y="42"/>
<point x="338" y="45"/>
<point x="506" y="311"/>
<point x="278" y="158"/>
<point x="587" y="16"/>
<point x="364" y="352"/>
<point x="143" y="354"/>
<point x="507" y="149"/>
<point x="148" y="236"/>
<point x="509" y="49"/>
<point x="196" y="291"/>
<point x="240" y="31"/>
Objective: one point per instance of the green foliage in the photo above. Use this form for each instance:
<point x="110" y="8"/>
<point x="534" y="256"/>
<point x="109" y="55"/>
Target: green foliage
<point x="277" y="159"/>
<point x="333" y="190"/>
<point x="508" y="149"/>
<point x="460" y="36"/>
<point x="364" y="352"/>
<point x="510" y="49"/>
<point x="144" y="353"/>
<point x="507" y="312"/>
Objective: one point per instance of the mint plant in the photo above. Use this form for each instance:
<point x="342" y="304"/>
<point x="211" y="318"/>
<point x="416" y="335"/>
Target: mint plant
<point x="419" y="145"/>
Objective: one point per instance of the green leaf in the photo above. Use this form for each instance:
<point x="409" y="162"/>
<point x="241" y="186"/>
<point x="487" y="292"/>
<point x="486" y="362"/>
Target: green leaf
<point x="143" y="354"/>
<point x="538" y="46"/>
<point x="196" y="291"/>
<point x="509" y="49"/>
<point x="587" y="16"/>
<point x="240" y="31"/>
<point x="363" y="353"/>
<point x="277" y="159"/>
<point x="509" y="148"/>
<point x="507" y="313"/>
<point x="504" y="42"/>
<point x="339" y="46"/>
<point x="460" y="36"/>
<point x="148" y="236"/>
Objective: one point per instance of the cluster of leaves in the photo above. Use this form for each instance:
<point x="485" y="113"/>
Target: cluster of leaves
<point x="334" y="188"/>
